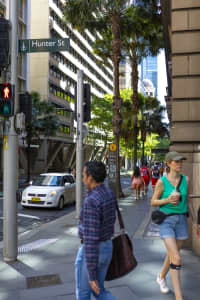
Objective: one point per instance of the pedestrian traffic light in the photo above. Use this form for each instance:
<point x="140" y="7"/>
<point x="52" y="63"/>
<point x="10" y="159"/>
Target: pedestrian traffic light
<point x="7" y="96"/>
<point x="25" y="103"/>
<point x="86" y="103"/>
<point x="4" y="43"/>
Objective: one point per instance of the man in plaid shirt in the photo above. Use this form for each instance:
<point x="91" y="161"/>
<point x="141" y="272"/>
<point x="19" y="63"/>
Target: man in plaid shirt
<point x="96" y="227"/>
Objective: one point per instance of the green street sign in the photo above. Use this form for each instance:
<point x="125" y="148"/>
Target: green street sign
<point x="44" y="45"/>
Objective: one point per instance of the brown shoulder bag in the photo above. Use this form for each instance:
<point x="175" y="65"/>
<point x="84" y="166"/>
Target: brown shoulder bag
<point x="123" y="260"/>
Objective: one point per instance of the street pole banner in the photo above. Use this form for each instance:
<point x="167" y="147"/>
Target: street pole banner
<point x="44" y="45"/>
<point x="112" y="167"/>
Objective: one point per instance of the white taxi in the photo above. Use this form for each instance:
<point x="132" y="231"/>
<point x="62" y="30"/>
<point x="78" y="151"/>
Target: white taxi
<point x="50" y="190"/>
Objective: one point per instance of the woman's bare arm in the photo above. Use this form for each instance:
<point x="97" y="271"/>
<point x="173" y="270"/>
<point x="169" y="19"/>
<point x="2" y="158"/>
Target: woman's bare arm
<point x="156" y="201"/>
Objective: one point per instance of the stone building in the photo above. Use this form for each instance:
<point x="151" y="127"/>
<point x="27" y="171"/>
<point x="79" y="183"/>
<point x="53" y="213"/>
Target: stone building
<point x="181" y="20"/>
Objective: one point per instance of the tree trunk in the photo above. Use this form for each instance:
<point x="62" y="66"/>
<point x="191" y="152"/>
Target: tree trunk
<point x="135" y="102"/>
<point x="117" y="117"/>
<point x="104" y="148"/>
<point x="142" y="158"/>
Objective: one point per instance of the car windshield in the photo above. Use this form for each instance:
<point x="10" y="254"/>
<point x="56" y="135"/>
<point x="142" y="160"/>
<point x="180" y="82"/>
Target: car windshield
<point x="48" y="180"/>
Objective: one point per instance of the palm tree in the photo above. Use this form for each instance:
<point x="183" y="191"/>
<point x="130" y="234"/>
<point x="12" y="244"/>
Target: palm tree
<point x="102" y="14"/>
<point x="151" y="119"/>
<point x="144" y="39"/>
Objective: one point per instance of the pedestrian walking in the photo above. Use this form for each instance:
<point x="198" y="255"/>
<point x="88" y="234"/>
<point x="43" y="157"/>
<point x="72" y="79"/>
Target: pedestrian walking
<point x="74" y="173"/>
<point x="137" y="182"/>
<point x="144" y="170"/>
<point x="173" y="230"/>
<point x="155" y="174"/>
<point x="96" y="227"/>
<point x="69" y="170"/>
<point x="162" y="169"/>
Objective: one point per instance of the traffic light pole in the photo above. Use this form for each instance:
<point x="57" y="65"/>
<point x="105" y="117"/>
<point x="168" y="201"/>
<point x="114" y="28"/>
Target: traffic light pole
<point x="79" y="143"/>
<point x="11" y="154"/>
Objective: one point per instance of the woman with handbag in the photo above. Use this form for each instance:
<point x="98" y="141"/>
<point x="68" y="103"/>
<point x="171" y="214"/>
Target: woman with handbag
<point x="174" y="229"/>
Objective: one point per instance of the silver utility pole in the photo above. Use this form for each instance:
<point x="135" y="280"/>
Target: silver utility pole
<point x="79" y="143"/>
<point x="10" y="172"/>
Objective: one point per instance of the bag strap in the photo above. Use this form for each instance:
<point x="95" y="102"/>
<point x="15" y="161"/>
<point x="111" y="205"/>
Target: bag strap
<point x="181" y="177"/>
<point x="119" y="215"/>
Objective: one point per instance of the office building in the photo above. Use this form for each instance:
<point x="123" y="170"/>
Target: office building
<point x="54" y="74"/>
<point x="2" y="8"/>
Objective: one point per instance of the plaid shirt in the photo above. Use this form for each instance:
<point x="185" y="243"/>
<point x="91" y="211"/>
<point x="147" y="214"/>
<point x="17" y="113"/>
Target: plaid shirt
<point x="96" y="224"/>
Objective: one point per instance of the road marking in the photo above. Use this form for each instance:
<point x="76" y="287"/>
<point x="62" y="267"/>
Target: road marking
<point x="25" y="216"/>
<point x="28" y="216"/>
<point x="35" y="245"/>
<point x="25" y="232"/>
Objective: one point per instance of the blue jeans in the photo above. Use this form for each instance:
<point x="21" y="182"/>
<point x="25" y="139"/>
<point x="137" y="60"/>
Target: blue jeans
<point x="83" y="289"/>
<point x="174" y="226"/>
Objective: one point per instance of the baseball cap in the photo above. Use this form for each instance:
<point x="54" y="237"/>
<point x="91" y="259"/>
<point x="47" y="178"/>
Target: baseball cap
<point x="173" y="155"/>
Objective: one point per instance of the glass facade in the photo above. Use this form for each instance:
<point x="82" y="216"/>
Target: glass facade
<point x="149" y="70"/>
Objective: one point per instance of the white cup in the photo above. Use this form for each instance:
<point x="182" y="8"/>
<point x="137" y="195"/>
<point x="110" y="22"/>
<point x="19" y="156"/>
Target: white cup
<point x="176" y="194"/>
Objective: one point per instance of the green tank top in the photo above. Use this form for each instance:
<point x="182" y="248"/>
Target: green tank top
<point x="167" y="190"/>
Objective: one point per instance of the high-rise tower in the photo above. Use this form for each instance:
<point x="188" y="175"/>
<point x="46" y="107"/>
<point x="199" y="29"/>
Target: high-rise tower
<point x="149" y="70"/>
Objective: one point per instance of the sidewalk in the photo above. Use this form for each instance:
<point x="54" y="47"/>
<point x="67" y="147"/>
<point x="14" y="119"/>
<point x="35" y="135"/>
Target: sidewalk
<point x="45" y="266"/>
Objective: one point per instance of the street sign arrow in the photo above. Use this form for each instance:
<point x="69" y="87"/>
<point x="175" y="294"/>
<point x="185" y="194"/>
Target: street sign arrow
<point x="44" y="45"/>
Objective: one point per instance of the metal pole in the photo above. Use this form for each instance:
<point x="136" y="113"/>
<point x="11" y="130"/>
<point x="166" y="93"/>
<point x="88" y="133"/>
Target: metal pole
<point x="11" y="155"/>
<point x="79" y="143"/>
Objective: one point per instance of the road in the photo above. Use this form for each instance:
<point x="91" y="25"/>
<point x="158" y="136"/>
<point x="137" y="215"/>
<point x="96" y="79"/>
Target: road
<point x="33" y="217"/>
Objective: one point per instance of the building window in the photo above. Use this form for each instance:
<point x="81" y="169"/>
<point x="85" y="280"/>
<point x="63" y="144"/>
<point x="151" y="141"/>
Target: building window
<point x="22" y="6"/>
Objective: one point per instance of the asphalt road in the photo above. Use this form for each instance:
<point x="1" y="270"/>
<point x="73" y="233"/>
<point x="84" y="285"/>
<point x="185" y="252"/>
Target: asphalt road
<point x="33" y="217"/>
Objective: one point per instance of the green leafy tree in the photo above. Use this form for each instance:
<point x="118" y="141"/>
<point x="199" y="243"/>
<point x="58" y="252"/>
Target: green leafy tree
<point x="44" y="122"/>
<point x="102" y="114"/>
<point x="151" y="119"/>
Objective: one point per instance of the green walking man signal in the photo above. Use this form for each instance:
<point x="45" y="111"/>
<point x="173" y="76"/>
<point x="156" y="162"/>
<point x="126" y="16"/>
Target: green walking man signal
<point x="7" y="95"/>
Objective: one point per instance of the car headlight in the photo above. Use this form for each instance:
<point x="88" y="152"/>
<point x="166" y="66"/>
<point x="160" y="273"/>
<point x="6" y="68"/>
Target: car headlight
<point x="24" y="195"/>
<point x="52" y="193"/>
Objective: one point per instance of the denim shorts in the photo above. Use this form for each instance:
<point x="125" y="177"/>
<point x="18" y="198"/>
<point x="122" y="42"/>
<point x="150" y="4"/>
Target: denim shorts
<point x="174" y="226"/>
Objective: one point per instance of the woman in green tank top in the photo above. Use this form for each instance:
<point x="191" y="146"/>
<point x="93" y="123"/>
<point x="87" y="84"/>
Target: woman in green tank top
<point x="173" y="230"/>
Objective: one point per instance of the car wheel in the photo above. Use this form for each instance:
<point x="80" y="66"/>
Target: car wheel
<point x="61" y="203"/>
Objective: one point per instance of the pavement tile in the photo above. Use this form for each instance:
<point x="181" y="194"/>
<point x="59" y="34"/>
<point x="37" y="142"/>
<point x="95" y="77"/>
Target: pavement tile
<point x="59" y="258"/>
<point x="46" y="292"/>
<point x="119" y="292"/>
<point x="9" y="294"/>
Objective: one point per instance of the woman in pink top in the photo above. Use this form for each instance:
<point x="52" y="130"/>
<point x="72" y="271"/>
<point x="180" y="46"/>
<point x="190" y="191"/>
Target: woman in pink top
<point x="137" y="182"/>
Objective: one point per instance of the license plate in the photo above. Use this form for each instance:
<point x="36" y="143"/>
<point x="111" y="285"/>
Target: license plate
<point x="35" y="199"/>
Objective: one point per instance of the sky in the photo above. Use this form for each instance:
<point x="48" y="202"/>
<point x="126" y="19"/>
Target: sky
<point x="162" y="77"/>
<point x="162" y="80"/>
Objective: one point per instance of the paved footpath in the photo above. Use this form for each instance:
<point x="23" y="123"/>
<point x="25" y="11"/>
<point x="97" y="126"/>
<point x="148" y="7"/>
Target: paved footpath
<point x="45" y="266"/>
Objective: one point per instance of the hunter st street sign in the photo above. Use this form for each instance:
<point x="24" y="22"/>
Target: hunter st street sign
<point x="44" y="45"/>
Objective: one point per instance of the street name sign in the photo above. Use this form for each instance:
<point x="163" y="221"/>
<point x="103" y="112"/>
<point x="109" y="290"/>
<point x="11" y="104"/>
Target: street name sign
<point x="44" y="45"/>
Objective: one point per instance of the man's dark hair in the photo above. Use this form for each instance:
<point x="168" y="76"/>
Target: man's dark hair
<point x="96" y="169"/>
